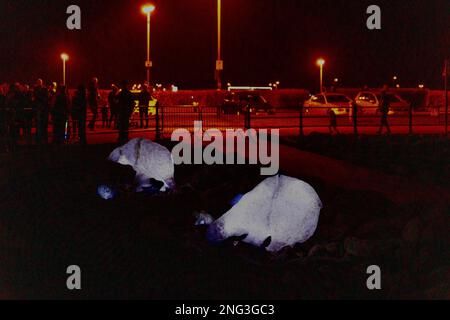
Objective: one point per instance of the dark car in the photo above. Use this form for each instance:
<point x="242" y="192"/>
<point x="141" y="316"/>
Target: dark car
<point x="242" y="102"/>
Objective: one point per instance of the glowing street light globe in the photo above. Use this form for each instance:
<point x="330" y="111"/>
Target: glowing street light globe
<point x="64" y="56"/>
<point x="148" y="8"/>
<point x="320" y="62"/>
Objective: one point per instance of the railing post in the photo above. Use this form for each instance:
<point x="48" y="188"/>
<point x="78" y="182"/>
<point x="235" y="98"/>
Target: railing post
<point x="158" y="133"/>
<point x="248" y="118"/>
<point x="301" y="105"/>
<point x="410" y="118"/>
<point x="355" y="118"/>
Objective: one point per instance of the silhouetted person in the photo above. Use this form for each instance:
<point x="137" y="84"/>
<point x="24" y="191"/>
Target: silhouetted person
<point x="93" y="98"/>
<point x="29" y="113"/>
<point x="3" y="120"/>
<point x="144" y="102"/>
<point x="60" y="113"/>
<point x="126" y="108"/>
<point x="13" y="106"/>
<point x="384" y="110"/>
<point x="79" y="112"/>
<point x="113" y="106"/>
<point x="41" y="104"/>
<point x="105" y="116"/>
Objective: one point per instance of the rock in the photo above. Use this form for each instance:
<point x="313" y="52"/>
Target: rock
<point x="412" y="231"/>
<point x="203" y="219"/>
<point x="106" y="192"/>
<point x="333" y="249"/>
<point x="358" y="248"/>
<point x="150" y="161"/>
<point x="380" y="229"/>
<point x="317" y="251"/>
<point x="281" y="208"/>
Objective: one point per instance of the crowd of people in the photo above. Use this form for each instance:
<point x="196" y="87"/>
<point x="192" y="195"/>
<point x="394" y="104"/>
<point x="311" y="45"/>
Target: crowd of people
<point x="51" y="108"/>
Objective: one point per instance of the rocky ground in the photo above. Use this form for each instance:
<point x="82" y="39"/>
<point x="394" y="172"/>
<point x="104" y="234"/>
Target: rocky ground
<point x="138" y="246"/>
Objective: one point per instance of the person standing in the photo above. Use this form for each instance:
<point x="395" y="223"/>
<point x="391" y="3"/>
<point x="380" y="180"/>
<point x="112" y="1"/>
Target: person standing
<point x="59" y="113"/>
<point x="41" y="104"/>
<point x="105" y="116"/>
<point x="3" y="120"/>
<point x="144" y="102"/>
<point x="93" y="98"/>
<point x="13" y="104"/>
<point x="384" y="110"/>
<point x="79" y="110"/>
<point x="126" y="108"/>
<point x="113" y="106"/>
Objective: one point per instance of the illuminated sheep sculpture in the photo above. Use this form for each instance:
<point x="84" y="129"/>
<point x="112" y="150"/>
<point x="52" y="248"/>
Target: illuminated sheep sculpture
<point x="150" y="161"/>
<point x="281" y="208"/>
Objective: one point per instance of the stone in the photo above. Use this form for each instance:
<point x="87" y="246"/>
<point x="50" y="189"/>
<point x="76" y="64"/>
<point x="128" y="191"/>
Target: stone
<point x="281" y="209"/>
<point x="150" y="161"/>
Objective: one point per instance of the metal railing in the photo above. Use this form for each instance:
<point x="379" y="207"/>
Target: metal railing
<point x="167" y="119"/>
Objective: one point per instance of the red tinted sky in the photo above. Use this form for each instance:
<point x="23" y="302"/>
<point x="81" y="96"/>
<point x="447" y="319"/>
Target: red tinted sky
<point x="263" y="41"/>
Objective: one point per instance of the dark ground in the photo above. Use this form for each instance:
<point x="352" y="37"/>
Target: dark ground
<point x="147" y="247"/>
<point x="426" y="158"/>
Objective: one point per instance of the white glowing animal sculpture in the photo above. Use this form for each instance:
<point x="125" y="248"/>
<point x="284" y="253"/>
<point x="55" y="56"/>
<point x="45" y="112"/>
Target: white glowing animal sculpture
<point x="281" y="209"/>
<point x="150" y="161"/>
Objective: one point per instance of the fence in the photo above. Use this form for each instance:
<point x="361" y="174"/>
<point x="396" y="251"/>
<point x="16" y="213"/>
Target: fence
<point x="300" y="120"/>
<point x="292" y="121"/>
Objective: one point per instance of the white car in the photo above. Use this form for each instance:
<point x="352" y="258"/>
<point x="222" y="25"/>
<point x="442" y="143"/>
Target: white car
<point x="322" y="104"/>
<point x="368" y="102"/>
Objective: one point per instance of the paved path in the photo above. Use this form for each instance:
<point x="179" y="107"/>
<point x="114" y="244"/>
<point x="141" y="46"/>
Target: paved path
<point x="339" y="173"/>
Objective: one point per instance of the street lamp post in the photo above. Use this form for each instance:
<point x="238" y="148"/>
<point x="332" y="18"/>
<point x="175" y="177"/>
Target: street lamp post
<point x="148" y="9"/>
<point x="321" y="63"/>
<point x="219" y="62"/>
<point x="64" y="57"/>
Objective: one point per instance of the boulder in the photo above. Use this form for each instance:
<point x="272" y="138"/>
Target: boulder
<point x="281" y="211"/>
<point x="358" y="248"/>
<point x="150" y="161"/>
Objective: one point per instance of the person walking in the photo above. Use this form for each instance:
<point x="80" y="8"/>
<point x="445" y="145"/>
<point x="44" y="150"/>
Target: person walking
<point x="93" y="99"/>
<point x="79" y="110"/>
<point x="384" y="110"/>
<point x="144" y="102"/>
<point x="126" y="108"/>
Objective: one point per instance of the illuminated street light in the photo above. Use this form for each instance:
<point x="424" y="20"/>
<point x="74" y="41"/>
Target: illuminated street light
<point x="64" y="57"/>
<point x="148" y="9"/>
<point x="321" y="63"/>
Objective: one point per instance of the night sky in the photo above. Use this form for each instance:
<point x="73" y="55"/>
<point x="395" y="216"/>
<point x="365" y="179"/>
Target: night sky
<point x="263" y="41"/>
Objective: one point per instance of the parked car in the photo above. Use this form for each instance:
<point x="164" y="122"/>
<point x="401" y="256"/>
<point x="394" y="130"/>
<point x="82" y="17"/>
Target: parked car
<point x="241" y="102"/>
<point x="322" y="104"/>
<point x="368" y="102"/>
